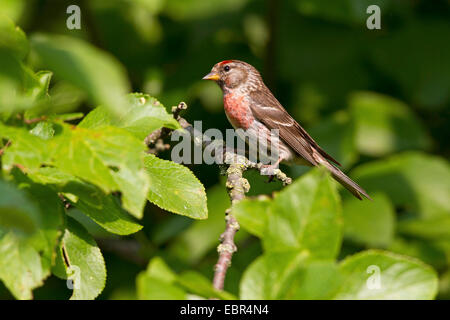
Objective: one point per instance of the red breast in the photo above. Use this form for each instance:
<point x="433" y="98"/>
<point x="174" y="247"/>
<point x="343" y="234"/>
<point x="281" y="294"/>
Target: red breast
<point x="237" y="110"/>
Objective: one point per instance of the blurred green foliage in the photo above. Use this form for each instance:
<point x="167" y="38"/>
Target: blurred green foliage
<point x="377" y="100"/>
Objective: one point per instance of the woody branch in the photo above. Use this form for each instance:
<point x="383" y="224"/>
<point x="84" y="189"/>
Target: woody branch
<point x="236" y="184"/>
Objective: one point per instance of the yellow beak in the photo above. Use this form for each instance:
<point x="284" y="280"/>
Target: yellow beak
<point x="211" y="76"/>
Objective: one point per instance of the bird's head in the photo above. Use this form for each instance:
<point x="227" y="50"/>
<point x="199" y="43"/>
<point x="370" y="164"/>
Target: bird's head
<point x="232" y="74"/>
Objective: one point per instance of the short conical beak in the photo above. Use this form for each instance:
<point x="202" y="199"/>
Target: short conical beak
<point x="211" y="76"/>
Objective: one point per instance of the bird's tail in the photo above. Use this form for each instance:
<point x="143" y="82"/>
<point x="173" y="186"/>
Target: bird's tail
<point x="346" y="182"/>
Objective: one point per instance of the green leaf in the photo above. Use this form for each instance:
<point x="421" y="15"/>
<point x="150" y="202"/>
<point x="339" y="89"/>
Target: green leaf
<point x="195" y="242"/>
<point x="435" y="228"/>
<point x="20" y="266"/>
<point x="15" y="82"/>
<point x="270" y="275"/>
<point x="316" y="280"/>
<point x="187" y="194"/>
<point x="399" y="277"/>
<point x="288" y="275"/>
<point x="385" y="125"/>
<point x="64" y="98"/>
<point x="115" y="159"/>
<point x="15" y="78"/>
<point x="92" y="227"/>
<point x="104" y="209"/>
<point x="151" y="288"/>
<point x="199" y="285"/>
<point x="86" y="67"/>
<point x="97" y="118"/>
<point x="43" y="130"/>
<point x="13" y="38"/>
<point x="17" y="212"/>
<point x="306" y="216"/>
<point x="253" y="215"/>
<point x="417" y="182"/>
<point x="144" y="115"/>
<point x="66" y="116"/>
<point x="13" y="8"/>
<point x="157" y="268"/>
<point x="31" y="218"/>
<point x="26" y="149"/>
<point x="370" y="223"/>
<point x="36" y="87"/>
<point x="197" y="9"/>
<point x="158" y="283"/>
<point x="83" y="261"/>
<point x="45" y="240"/>
<point x="114" y="162"/>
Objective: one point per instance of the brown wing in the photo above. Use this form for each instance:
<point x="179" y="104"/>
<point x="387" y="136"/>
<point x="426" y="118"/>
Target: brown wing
<point x="269" y="111"/>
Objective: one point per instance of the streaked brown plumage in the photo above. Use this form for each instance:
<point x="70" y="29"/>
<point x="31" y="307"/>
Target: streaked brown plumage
<point x="251" y="106"/>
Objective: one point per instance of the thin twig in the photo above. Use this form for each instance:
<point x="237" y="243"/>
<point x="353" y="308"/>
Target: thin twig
<point x="35" y="120"/>
<point x="7" y="144"/>
<point x="32" y="120"/>
<point x="155" y="140"/>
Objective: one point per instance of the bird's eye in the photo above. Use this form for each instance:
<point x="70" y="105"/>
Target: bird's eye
<point x="226" y="68"/>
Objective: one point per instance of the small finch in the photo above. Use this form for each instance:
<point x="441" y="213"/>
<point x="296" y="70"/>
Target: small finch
<point x="250" y="106"/>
